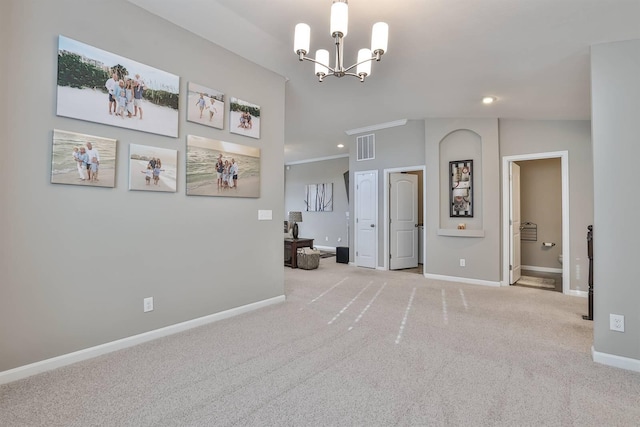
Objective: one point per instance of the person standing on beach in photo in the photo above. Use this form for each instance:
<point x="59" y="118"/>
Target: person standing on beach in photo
<point x="219" y="170"/>
<point x="111" y="85"/>
<point x="92" y="159"/>
<point x="201" y="104"/>
<point x="129" y="94"/>
<point x="156" y="174"/>
<point x="83" y="160"/>
<point x="138" y="90"/>
<point x="76" y="158"/>
<point x="234" y="173"/>
<point x="148" y="174"/>
<point x="212" y="109"/>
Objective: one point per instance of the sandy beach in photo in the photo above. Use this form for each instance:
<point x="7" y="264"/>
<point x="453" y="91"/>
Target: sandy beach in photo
<point x="234" y="121"/>
<point x="106" y="178"/>
<point x="138" y="182"/>
<point x="193" y="112"/>
<point x="247" y="187"/>
<point x="93" y="105"/>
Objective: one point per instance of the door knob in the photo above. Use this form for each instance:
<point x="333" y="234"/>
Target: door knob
<point x="372" y="225"/>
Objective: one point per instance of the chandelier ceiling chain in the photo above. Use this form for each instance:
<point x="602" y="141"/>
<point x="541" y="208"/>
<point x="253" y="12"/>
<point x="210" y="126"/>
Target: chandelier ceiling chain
<point x="338" y="30"/>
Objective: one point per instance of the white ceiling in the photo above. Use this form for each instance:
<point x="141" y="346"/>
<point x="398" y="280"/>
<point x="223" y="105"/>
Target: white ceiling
<point x="443" y="57"/>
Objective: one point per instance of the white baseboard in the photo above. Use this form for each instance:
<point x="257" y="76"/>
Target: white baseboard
<point x="541" y="269"/>
<point x="325" y="248"/>
<point x="91" y="352"/>
<point x="616" y="361"/>
<point x="573" y="292"/>
<point x="461" y="280"/>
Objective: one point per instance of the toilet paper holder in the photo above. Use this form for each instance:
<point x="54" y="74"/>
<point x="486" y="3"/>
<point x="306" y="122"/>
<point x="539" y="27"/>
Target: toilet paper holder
<point x="548" y="244"/>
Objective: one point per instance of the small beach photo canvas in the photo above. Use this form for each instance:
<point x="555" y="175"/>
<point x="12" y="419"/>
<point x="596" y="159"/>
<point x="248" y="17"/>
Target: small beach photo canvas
<point x="244" y="118"/>
<point x="79" y="159"/>
<point x="205" y="106"/>
<point x="219" y="168"/>
<point x="102" y="87"/>
<point x="152" y="168"/>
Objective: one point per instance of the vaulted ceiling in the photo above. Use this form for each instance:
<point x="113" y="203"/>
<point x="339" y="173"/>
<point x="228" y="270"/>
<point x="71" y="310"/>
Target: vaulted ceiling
<point x="443" y="57"/>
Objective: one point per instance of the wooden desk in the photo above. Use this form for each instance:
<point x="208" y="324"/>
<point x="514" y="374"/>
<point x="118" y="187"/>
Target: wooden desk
<point x="291" y="250"/>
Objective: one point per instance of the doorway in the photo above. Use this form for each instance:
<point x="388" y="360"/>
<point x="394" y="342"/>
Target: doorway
<point x="420" y="202"/>
<point x="510" y="246"/>
<point x="366" y="218"/>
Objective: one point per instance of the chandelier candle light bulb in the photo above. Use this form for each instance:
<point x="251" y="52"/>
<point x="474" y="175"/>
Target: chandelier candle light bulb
<point x="338" y="29"/>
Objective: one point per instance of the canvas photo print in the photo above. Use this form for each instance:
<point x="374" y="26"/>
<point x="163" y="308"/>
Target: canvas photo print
<point x="152" y="168"/>
<point x="244" y="118"/>
<point x="80" y="159"/>
<point x="205" y="106"/>
<point x="102" y="87"/>
<point x="219" y="168"/>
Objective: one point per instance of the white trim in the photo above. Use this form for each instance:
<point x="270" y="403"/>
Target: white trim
<point x="566" y="241"/>
<point x="317" y="159"/>
<point x="325" y="248"/>
<point x="616" y="361"/>
<point x="462" y="280"/>
<point x="371" y="128"/>
<point x="542" y="269"/>
<point x="386" y="197"/>
<point x="582" y="294"/>
<point x="91" y="352"/>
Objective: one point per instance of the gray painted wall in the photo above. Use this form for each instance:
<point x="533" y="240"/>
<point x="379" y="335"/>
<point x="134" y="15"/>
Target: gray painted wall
<point x="76" y="262"/>
<point x="615" y="92"/>
<point x="541" y="204"/>
<point x="328" y="229"/>
<point x="518" y="137"/>
<point x="397" y="147"/>
<point x="443" y="253"/>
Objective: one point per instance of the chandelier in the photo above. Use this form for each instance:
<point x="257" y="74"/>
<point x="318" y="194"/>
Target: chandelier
<point x="338" y="30"/>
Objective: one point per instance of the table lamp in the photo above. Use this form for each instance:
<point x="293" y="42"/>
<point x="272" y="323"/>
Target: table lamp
<point x="295" y="217"/>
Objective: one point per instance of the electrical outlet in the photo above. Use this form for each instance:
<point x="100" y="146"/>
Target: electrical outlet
<point x="616" y="322"/>
<point x="339" y="239"/>
<point x="148" y="304"/>
<point x="462" y="262"/>
<point x="326" y="238"/>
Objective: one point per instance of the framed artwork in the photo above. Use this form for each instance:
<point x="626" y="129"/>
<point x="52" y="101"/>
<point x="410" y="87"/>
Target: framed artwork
<point x="79" y="159"/>
<point x="152" y="168"/>
<point x="219" y="168"/>
<point x="205" y="106"/>
<point x="461" y="188"/>
<point x="102" y="87"/>
<point x="244" y="118"/>
<point x="319" y="197"/>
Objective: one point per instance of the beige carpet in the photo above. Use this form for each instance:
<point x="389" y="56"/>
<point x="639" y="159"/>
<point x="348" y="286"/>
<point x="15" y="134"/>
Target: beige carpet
<point x="352" y="347"/>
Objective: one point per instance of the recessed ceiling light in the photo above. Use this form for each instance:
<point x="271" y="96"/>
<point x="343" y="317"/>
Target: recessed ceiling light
<point x="489" y="99"/>
<point x="340" y="145"/>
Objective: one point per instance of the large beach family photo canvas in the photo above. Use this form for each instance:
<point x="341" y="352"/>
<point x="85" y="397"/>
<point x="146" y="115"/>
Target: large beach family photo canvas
<point x="205" y="106"/>
<point x="218" y="168"/>
<point x="244" y="118"/>
<point x="99" y="86"/>
<point x="79" y="159"/>
<point x="152" y="168"/>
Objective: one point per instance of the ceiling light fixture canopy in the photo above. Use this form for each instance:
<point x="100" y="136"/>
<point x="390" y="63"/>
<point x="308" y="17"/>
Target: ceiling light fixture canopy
<point x="338" y="30"/>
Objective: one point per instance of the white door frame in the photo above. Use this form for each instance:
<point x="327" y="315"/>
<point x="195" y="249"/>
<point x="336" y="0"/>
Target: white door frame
<point x="385" y="255"/>
<point x="566" y="241"/>
<point x="355" y="217"/>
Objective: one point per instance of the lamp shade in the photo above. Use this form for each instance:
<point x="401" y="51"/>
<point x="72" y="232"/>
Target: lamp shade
<point x="339" y="18"/>
<point x="302" y="38"/>
<point x="322" y="62"/>
<point x="295" y="216"/>
<point x="379" y="37"/>
<point x="365" y="67"/>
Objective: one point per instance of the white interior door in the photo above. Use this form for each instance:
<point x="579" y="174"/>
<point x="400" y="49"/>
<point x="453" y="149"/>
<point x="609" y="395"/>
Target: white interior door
<point x="514" y="229"/>
<point x="403" y="218"/>
<point x="366" y="220"/>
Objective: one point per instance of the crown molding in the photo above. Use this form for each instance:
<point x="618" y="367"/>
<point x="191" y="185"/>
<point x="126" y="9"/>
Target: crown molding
<point x="386" y="125"/>
<point x="317" y="159"/>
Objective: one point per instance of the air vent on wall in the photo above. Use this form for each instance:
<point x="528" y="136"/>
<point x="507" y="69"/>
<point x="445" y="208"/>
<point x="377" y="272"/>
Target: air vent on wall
<point x="366" y="147"/>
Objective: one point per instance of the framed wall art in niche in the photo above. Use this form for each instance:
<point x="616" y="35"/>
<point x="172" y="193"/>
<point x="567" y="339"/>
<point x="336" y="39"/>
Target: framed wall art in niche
<point x="219" y="168"/>
<point x="205" y="106"/>
<point x="244" y="118"/>
<point x="152" y="168"/>
<point x="461" y="188"/>
<point x="80" y="159"/>
<point x="102" y="87"/>
<point x="319" y="197"/>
